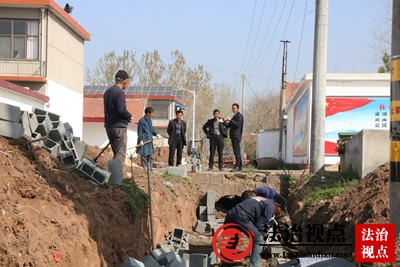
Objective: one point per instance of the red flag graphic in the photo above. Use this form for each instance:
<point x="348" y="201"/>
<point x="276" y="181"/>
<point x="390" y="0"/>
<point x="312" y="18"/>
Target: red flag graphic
<point x="336" y="105"/>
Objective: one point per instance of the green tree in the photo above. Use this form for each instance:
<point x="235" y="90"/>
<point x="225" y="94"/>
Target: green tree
<point x="386" y="64"/>
<point x="105" y="69"/>
<point x="151" y="69"/>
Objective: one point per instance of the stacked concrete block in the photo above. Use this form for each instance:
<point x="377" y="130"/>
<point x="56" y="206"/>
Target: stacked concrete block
<point x="210" y="206"/>
<point x="198" y="260"/>
<point x="9" y="112"/>
<point x="25" y="121"/>
<point x="11" y="129"/>
<point x="44" y="125"/>
<point x="57" y="133"/>
<point x="200" y="226"/>
<point x="202" y="213"/>
<point x="177" y="171"/>
<point x="33" y="122"/>
<point x="52" y="147"/>
<point x="131" y="262"/>
<point x="93" y="172"/>
<point x="37" y="136"/>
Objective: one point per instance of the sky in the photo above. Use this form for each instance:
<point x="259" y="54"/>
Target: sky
<point x="231" y="38"/>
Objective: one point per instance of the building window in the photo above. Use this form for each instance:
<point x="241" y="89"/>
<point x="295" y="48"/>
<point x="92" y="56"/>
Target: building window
<point x="19" y="39"/>
<point x="160" y="109"/>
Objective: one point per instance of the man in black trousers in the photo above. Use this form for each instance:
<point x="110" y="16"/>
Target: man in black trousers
<point x="235" y="133"/>
<point x="215" y="130"/>
<point x="177" y="138"/>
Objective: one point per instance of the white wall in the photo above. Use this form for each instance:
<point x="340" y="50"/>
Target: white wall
<point x="94" y="134"/>
<point x="19" y="100"/>
<point x="66" y="103"/>
<point x="268" y="144"/>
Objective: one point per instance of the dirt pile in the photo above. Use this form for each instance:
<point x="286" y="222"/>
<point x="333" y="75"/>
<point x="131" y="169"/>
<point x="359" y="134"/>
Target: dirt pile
<point x="50" y="214"/>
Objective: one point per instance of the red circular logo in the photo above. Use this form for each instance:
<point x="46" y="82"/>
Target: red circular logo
<point x="228" y="242"/>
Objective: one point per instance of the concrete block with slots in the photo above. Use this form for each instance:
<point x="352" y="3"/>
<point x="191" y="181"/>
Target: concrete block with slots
<point x="198" y="260"/>
<point x="210" y="199"/>
<point x="210" y="210"/>
<point x="11" y="129"/>
<point x="45" y="125"/>
<point x="80" y="149"/>
<point x="39" y="111"/>
<point x="131" y="262"/>
<point x="93" y="172"/>
<point x="68" y="128"/>
<point x="24" y="119"/>
<point x="57" y="133"/>
<point x="33" y="122"/>
<point x="36" y="136"/>
<point x="52" y="147"/>
<point x="200" y="226"/>
<point x="53" y="117"/>
<point x="159" y="253"/>
<point x="116" y="170"/>
<point x="149" y="261"/>
<point x="9" y="112"/>
<point x="177" y="171"/>
<point x="68" y="158"/>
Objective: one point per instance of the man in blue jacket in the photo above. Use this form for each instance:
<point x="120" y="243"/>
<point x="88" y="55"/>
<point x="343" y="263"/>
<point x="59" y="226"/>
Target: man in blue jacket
<point x="145" y="134"/>
<point x="116" y="116"/>
<point x="253" y="214"/>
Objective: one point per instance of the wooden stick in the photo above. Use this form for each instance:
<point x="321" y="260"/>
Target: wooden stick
<point x="101" y="152"/>
<point x="140" y="144"/>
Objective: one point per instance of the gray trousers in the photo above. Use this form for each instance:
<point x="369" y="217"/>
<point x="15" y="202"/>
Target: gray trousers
<point x="118" y="140"/>
<point x="145" y="159"/>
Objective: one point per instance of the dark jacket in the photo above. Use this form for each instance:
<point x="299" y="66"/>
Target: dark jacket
<point x="235" y="126"/>
<point x="145" y="133"/>
<point x="172" y="129"/>
<point x="115" y="113"/>
<point x="252" y="214"/>
<point x="208" y="128"/>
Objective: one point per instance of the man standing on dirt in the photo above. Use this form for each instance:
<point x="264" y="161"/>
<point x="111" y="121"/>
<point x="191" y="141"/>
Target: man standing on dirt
<point x="235" y="133"/>
<point x="145" y="138"/>
<point x="215" y="130"/>
<point x="252" y="215"/>
<point x="177" y="138"/>
<point x="116" y="116"/>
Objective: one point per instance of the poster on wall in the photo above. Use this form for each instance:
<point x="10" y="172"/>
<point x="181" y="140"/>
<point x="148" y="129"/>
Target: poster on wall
<point x="300" y="127"/>
<point x="351" y="115"/>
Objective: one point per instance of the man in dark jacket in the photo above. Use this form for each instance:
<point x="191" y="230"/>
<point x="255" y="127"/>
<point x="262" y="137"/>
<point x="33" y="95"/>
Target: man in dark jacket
<point x="253" y="215"/>
<point x="235" y="133"/>
<point x="116" y="116"/>
<point x="177" y="138"/>
<point x="215" y="130"/>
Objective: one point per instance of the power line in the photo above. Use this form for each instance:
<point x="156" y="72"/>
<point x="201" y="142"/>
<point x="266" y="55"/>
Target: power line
<point x="265" y="38"/>
<point x="255" y="41"/>
<point x="272" y="38"/>
<point x="248" y="38"/>
<point x="273" y="67"/>
<point x="301" y="39"/>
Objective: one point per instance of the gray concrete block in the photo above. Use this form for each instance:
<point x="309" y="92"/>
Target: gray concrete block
<point x="211" y="199"/>
<point x="212" y="225"/>
<point x="211" y="218"/>
<point x="67" y="145"/>
<point x="45" y="125"/>
<point x="36" y="136"/>
<point x="80" y="148"/>
<point x="202" y="213"/>
<point x="68" y="128"/>
<point x="184" y="262"/>
<point x="24" y="119"/>
<point x="210" y="210"/>
<point x="39" y="111"/>
<point x="200" y="226"/>
<point x="53" y="117"/>
<point x="116" y="169"/>
<point x="9" y="112"/>
<point x="198" y="260"/>
<point x="55" y="135"/>
<point x="40" y="118"/>
<point x="177" y="171"/>
<point x="58" y="131"/>
<point x="167" y="258"/>
<point x="175" y="263"/>
<point x="214" y="259"/>
<point x="68" y="158"/>
<point x="131" y="262"/>
<point x="159" y="253"/>
<point x="11" y="129"/>
<point x="149" y="261"/>
<point x="33" y="122"/>
<point x="100" y="175"/>
<point x="52" y="147"/>
<point x="27" y="133"/>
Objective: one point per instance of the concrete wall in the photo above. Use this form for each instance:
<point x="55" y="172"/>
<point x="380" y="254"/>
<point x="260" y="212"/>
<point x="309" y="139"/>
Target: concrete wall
<point x="366" y="150"/>
<point x="66" y="103"/>
<point x="65" y="55"/>
<point x="268" y="144"/>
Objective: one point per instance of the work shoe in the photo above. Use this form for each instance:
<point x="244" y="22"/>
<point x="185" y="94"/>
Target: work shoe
<point x="210" y="169"/>
<point x="221" y="169"/>
<point x="236" y="169"/>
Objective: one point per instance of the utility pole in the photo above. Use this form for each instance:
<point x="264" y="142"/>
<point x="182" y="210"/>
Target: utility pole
<point x="395" y="120"/>
<point x="243" y="92"/>
<point x="317" y="153"/>
<point x="282" y="102"/>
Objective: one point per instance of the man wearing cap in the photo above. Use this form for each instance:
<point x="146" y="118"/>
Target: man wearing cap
<point x="116" y="116"/>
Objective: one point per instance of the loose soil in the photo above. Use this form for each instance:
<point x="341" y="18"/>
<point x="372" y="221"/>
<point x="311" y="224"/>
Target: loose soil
<point x="49" y="216"/>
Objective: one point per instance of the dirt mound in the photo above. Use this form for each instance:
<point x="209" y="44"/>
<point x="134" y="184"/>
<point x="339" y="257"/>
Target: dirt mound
<point x="365" y="202"/>
<point x="50" y="214"/>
